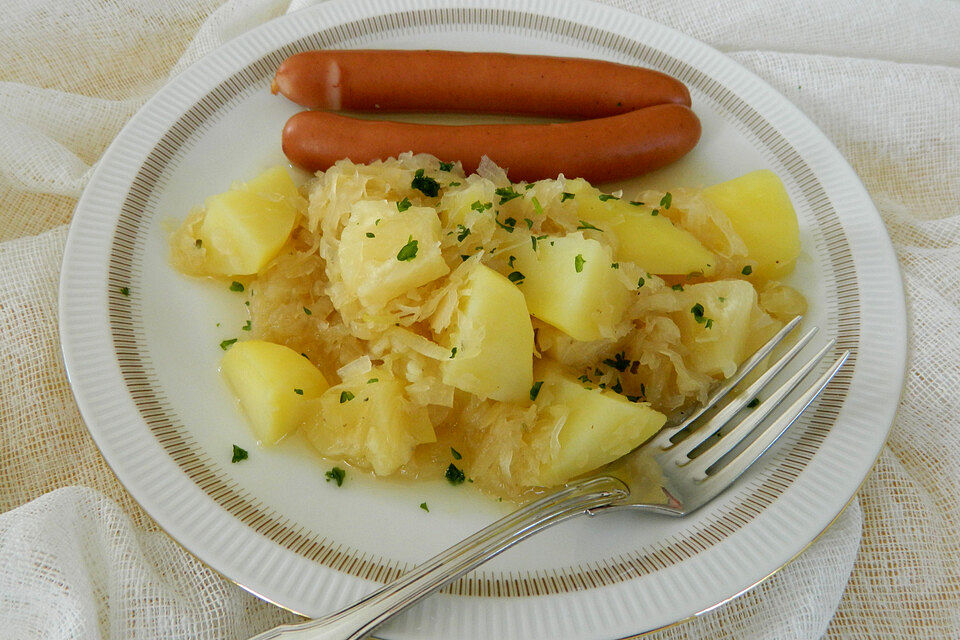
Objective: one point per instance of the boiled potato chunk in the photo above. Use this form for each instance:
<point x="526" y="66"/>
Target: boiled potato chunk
<point x="719" y="337"/>
<point x="385" y="253"/>
<point x="494" y="339"/>
<point x="598" y="426"/>
<point x="760" y="210"/>
<point x="570" y="283"/>
<point x="650" y="241"/>
<point x="274" y="385"/>
<point x="370" y="422"/>
<point x="244" y="228"/>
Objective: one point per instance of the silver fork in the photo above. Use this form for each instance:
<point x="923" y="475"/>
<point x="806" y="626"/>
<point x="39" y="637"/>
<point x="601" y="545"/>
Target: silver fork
<point x="694" y="471"/>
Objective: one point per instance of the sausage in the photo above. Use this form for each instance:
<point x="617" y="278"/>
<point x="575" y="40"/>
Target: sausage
<point x="600" y="150"/>
<point x="453" y="81"/>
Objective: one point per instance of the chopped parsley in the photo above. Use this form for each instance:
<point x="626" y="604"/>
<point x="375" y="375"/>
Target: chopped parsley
<point x="617" y="388"/>
<point x="586" y="225"/>
<point x="697" y="311"/>
<point x="456" y="454"/>
<point x="336" y="475"/>
<point x="299" y="392"/>
<point x="239" y="454"/>
<point x="709" y="324"/>
<point x="125" y="291"/>
<point x="346" y="396"/>
<point x="607" y="196"/>
<point x="527" y="187"/>
<point x="567" y="196"/>
<point x="372" y="380"/>
<point x="453" y="353"/>
<point x="236" y="286"/>
<point x="198" y="243"/>
<point x="666" y="200"/>
<point x="506" y="194"/>
<point x="515" y="277"/>
<point x="753" y="403"/>
<point x="370" y="235"/>
<point x="226" y="344"/>
<point x="511" y="261"/>
<point x="535" y="389"/>
<point x="534" y="239"/>
<point x="307" y="311"/>
<point x="454" y="475"/>
<point x="529" y="223"/>
<point x="747" y="270"/>
<point x="640" y="283"/>
<point x="446" y="166"/>
<point x="614" y="265"/>
<point x="246" y="327"/>
<point x="408" y="251"/>
<point x="464" y="258"/>
<point x="481" y="206"/>
<point x="536" y="205"/>
<point x="425" y="184"/>
<point x="404" y="204"/>
<point x="655" y="212"/>
<point x="423" y="505"/>
<point x="636" y="203"/>
<point x="507" y="225"/>
<point x="677" y="287"/>
<point x="578" y="263"/>
<point x="463" y="232"/>
<point x="584" y="378"/>
<point x="620" y="362"/>
<point x="454" y="184"/>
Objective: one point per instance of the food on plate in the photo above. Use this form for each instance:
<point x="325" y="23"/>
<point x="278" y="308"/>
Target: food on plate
<point x="598" y="150"/>
<point x="425" y="81"/>
<point x="509" y="334"/>
<point x="274" y="385"/>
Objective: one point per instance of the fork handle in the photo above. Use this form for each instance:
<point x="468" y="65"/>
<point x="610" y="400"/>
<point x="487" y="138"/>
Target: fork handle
<point x="359" y="619"/>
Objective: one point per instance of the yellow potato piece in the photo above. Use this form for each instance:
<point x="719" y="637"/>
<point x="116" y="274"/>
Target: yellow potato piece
<point x="265" y="378"/>
<point x="760" y="210"/>
<point x="598" y="426"/>
<point x="245" y="228"/>
<point x="494" y="339"/>
<point x="370" y="422"/>
<point x="650" y="241"/>
<point x="570" y="283"/>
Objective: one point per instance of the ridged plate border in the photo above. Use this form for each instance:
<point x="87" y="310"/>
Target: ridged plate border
<point x="125" y="325"/>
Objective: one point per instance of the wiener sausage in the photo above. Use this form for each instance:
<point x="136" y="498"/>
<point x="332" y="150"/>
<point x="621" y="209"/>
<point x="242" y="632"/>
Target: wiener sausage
<point x="600" y="150"/>
<point x="452" y="81"/>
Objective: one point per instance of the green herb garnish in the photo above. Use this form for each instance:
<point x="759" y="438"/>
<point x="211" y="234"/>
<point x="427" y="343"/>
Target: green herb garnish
<point x="620" y="362"/>
<point x="747" y="270"/>
<point x="236" y="286"/>
<point x="239" y="454"/>
<point x="372" y="380"/>
<point x="463" y="232"/>
<point x="456" y="454"/>
<point x="423" y="505"/>
<point x="408" y="251"/>
<point x="578" y="263"/>
<point x="425" y="184"/>
<point x="125" y="291"/>
<point x="606" y="196"/>
<point x="453" y="353"/>
<point x="640" y="283"/>
<point x="535" y="390"/>
<point x="336" y="475"/>
<point x="507" y="225"/>
<point x="446" y="166"/>
<point x="370" y="235"/>
<point x="536" y="205"/>
<point x="454" y="475"/>
<point x="506" y="194"/>
<point x="307" y="311"/>
<point x="515" y="276"/>
<point x="567" y="196"/>
<point x="198" y="243"/>
<point x="346" y="396"/>
<point x="246" y="327"/>
<point x="226" y="344"/>
<point x="666" y="200"/>
<point x="404" y="204"/>
<point x="677" y="287"/>
<point x="586" y="225"/>
<point x="299" y="392"/>
<point x="753" y="403"/>
<point x="481" y="206"/>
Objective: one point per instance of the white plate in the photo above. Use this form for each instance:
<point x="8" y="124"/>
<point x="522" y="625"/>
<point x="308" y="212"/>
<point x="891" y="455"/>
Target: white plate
<point x="143" y="365"/>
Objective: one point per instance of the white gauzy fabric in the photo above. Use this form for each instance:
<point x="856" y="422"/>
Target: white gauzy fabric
<point x="80" y="560"/>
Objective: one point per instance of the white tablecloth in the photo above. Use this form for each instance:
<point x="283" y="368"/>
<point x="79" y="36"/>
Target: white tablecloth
<point x="79" y="559"/>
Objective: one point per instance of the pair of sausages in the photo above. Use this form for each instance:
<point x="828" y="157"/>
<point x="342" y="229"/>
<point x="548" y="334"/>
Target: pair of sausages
<point x="630" y="120"/>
